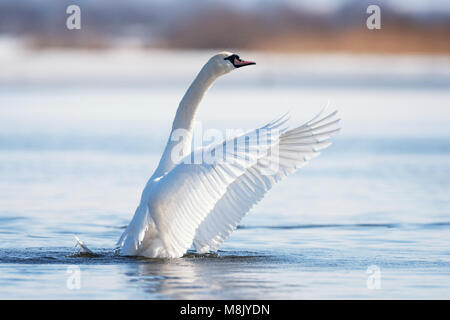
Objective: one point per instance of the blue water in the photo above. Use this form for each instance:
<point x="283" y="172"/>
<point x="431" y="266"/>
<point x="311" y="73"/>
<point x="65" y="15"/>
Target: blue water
<point x="74" y="159"/>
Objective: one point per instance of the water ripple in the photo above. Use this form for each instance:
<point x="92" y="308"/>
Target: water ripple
<point x="354" y="225"/>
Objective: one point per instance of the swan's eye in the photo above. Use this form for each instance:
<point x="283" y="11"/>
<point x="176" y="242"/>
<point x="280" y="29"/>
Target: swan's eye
<point x="232" y="58"/>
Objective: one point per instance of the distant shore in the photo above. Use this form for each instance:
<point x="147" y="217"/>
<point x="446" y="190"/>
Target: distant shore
<point x="354" y="41"/>
<point x="364" y="41"/>
<point x="277" y="27"/>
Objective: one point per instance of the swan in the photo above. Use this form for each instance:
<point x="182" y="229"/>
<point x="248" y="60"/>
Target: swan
<point x="201" y="204"/>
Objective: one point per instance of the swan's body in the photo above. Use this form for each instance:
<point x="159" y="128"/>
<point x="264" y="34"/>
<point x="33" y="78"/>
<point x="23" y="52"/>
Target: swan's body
<point x="200" y="204"/>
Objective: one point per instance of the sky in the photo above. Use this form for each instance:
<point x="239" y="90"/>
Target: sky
<point x="408" y="6"/>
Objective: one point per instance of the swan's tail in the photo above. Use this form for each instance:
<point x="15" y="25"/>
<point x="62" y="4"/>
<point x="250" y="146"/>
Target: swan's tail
<point x="83" y="248"/>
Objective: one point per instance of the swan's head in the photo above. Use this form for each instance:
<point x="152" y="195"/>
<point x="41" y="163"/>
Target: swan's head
<point x="225" y="62"/>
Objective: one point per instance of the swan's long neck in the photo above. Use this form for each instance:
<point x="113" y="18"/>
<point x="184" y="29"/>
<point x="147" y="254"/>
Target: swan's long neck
<point x="184" y="119"/>
<point x="185" y="116"/>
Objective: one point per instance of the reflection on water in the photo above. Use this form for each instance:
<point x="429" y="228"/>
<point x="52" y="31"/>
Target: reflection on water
<point x="222" y="276"/>
<point x="180" y="279"/>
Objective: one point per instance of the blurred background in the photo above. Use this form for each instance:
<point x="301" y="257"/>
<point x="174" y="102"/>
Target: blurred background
<point x="85" y="115"/>
<point x="275" y="26"/>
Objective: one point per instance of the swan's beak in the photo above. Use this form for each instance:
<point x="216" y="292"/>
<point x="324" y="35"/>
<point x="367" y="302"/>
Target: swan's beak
<point x="241" y="63"/>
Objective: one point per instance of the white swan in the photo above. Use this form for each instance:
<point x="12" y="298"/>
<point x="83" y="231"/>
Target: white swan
<point x="200" y="204"/>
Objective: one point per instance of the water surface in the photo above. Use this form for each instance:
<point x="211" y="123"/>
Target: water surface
<point x="74" y="159"/>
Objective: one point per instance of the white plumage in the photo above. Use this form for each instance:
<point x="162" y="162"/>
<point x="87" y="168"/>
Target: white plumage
<point x="200" y="204"/>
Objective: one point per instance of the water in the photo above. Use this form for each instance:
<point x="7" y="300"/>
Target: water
<point x="74" y="159"/>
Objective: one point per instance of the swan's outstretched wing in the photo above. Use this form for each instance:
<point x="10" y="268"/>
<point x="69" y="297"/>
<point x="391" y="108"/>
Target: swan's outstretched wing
<point x="295" y="148"/>
<point x="184" y="197"/>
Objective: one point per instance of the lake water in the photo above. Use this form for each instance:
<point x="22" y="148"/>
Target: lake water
<point x="75" y="155"/>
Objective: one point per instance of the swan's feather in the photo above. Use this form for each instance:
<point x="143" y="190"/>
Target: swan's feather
<point x="295" y="148"/>
<point x="201" y="204"/>
<point x="183" y="198"/>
